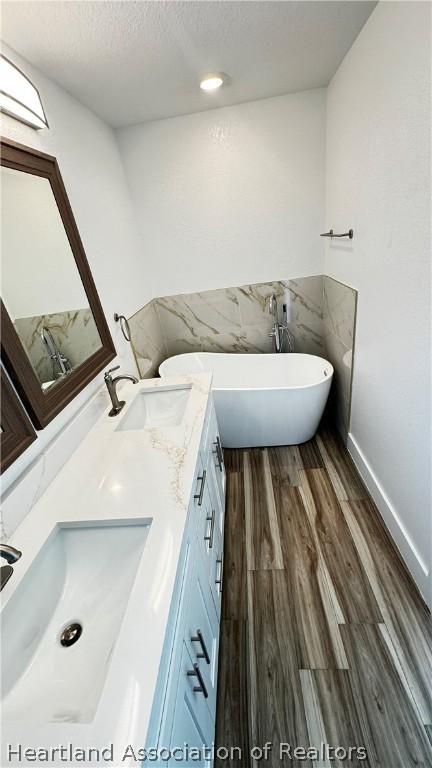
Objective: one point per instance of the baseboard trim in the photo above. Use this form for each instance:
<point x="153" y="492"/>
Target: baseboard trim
<point x="413" y="560"/>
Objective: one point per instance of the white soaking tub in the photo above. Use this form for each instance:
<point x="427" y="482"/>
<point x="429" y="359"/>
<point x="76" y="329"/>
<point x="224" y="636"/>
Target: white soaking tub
<point x="267" y="399"/>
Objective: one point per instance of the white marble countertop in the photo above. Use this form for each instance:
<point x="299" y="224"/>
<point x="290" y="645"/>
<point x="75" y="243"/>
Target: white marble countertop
<point x="118" y="476"/>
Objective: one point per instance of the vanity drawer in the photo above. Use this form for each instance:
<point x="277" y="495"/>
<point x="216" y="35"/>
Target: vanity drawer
<point x="211" y="479"/>
<point x="192" y="723"/>
<point x="209" y="543"/>
<point x="185" y="710"/>
<point x="202" y="636"/>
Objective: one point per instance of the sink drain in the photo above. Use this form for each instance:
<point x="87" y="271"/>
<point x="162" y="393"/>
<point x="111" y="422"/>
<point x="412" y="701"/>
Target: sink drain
<point x="71" y="634"/>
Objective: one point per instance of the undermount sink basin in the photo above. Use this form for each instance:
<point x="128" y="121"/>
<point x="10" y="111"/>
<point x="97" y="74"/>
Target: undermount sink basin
<point x="162" y="407"/>
<point x="60" y="627"/>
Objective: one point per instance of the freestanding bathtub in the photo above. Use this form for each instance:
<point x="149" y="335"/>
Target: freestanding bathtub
<point x="268" y="399"/>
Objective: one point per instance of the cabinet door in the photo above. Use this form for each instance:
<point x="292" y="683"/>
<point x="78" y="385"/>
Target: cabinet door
<point x="202" y="636"/>
<point x="168" y="682"/>
<point x="206" y="514"/>
<point x="192" y="723"/>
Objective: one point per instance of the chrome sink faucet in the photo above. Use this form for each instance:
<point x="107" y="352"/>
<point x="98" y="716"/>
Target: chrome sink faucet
<point x="279" y="330"/>
<point x="111" y="384"/>
<point x="11" y="555"/>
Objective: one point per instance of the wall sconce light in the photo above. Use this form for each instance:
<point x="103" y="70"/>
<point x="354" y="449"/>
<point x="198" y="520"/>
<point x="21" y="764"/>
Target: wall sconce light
<point x="19" y="97"/>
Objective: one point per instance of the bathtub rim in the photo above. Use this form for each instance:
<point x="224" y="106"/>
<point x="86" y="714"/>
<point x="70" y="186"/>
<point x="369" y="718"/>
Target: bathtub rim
<point x="323" y="380"/>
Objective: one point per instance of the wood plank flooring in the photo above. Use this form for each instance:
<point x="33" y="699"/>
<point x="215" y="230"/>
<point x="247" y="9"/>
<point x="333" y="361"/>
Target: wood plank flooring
<point x="324" y="637"/>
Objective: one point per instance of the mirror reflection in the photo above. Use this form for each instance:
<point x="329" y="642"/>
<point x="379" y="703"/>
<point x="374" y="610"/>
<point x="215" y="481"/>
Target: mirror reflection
<point x="41" y="285"/>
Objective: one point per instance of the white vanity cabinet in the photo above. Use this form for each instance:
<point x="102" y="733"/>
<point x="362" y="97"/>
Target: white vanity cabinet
<point x="184" y="710"/>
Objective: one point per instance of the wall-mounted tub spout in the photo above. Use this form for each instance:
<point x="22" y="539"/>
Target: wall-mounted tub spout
<point x="279" y="331"/>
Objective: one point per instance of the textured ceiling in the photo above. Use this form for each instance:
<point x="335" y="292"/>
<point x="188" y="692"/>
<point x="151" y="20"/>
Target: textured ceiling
<point x="136" y="61"/>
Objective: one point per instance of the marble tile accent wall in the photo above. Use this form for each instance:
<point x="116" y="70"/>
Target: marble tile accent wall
<point x="74" y="332"/>
<point x="226" y="320"/>
<point x="339" y="318"/>
<point x="148" y="343"/>
<point x="237" y="320"/>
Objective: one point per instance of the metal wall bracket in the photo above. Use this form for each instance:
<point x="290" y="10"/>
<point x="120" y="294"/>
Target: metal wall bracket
<point x="332" y="233"/>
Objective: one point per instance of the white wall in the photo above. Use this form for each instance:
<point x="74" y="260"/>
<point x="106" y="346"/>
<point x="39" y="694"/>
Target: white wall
<point x="94" y="179"/>
<point x="378" y="182"/>
<point x="230" y="196"/>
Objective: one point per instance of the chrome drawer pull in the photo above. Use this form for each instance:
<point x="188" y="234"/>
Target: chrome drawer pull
<point x="201" y="688"/>
<point x="200" y="495"/>
<point x="218" y="581"/>
<point x="218" y="453"/>
<point x="198" y="638"/>
<point x="211" y="520"/>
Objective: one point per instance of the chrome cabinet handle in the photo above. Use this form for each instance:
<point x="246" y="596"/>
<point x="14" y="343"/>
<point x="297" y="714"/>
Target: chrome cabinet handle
<point x="218" y="581"/>
<point x="198" y="638"/>
<point x="211" y="520"/>
<point x="201" y="688"/>
<point x="219" y="445"/>
<point x="200" y="495"/>
<point x="218" y="452"/>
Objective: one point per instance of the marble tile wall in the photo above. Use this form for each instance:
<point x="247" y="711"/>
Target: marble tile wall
<point x="226" y="320"/>
<point x="237" y="320"/>
<point x="148" y="342"/>
<point x="339" y="318"/>
<point x="74" y="333"/>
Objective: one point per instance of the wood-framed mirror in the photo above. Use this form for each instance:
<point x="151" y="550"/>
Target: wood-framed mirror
<point x="17" y="431"/>
<point x="54" y="335"/>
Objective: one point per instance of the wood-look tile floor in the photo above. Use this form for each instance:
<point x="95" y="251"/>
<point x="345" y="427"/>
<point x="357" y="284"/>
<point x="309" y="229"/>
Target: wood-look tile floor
<point x="324" y="637"/>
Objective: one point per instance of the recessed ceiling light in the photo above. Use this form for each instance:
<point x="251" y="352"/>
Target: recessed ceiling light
<point x="212" y="82"/>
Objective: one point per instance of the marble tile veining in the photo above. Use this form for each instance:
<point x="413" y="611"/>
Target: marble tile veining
<point x="339" y="306"/>
<point x="339" y="316"/>
<point x="321" y="318"/>
<point x="148" y="342"/>
<point x="237" y="319"/>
